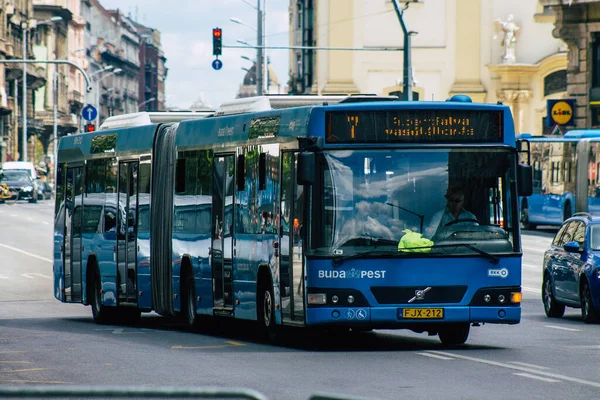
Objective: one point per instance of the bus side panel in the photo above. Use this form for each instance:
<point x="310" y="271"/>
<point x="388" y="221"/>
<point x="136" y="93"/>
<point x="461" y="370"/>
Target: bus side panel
<point x="245" y="270"/>
<point x="383" y="287"/>
<point x="143" y="273"/>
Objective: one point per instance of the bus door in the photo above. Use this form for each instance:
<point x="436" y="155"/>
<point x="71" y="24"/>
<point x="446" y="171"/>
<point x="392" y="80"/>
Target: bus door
<point x="127" y="230"/>
<point x="73" y="244"/>
<point x="222" y="231"/>
<point x="291" y="271"/>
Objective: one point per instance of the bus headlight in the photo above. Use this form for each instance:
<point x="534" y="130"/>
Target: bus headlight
<point x="317" y="298"/>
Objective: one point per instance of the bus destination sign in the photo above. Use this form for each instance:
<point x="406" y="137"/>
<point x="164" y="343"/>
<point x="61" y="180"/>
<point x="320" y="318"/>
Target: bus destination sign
<point x="414" y="126"/>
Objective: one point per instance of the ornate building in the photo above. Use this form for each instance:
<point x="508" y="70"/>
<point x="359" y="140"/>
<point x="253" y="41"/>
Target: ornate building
<point x="489" y="50"/>
<point x="578" y="24"/>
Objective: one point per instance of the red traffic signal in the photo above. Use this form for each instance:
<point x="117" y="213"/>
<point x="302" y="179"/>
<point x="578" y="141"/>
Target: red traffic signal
<point x="217" y="41"/>
<point x="90" y="127"/>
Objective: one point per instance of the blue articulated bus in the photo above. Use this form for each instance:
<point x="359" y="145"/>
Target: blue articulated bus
<point x="565" y="177"/>
<point x="318" y="216"/>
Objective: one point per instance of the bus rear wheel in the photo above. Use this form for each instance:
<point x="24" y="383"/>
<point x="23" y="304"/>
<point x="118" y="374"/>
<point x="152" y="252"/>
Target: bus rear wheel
<point x="101" y="313"/>
<point x="454" y="334"/>
<point x="266" y="311"/>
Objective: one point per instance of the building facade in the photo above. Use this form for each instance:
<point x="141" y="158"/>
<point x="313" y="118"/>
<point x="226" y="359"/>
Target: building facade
<point x="578" y="24"/>
<point x="120" y="55"/>
<point x="491" y="50"/>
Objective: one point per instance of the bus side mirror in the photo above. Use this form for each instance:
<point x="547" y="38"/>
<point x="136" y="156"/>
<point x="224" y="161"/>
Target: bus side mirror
<point x="305" y="173"/>
<point x="525" y="179"/>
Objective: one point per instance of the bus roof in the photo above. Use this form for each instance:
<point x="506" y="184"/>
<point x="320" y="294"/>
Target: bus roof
<point x="149" y="118"/>
<point x="574" y="134"/>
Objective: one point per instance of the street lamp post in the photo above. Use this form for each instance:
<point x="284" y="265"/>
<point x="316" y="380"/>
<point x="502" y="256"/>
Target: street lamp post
<point x="26" y="27"/>
<point x="407" y="68"/>
<point x="146" y="102"/>
<point x="261" y="52"/>
<point x="99" y="79"/>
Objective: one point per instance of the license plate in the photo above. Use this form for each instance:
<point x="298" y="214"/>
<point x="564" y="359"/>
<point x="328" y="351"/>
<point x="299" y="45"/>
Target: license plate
<point x="423" y="313"/>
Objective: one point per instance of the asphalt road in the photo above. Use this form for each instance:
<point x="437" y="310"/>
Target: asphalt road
<point x="43" y="341"/>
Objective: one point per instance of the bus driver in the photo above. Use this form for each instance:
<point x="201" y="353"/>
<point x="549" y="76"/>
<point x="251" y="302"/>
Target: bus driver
<point x="454" y="212"/>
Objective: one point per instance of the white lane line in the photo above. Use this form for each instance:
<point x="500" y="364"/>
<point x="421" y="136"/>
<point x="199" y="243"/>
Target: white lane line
<point x="531" y="266"/>
<point x="435" y="356"/>
<point x="589" y="347"/>
<point x="528" y="365"/>
<point x="531" y="290"/>
<point x="26" y="253"/>
<point x="535" y="250"/>
<point x="562" y="328"/>
<point x="539" y="378"/>
<point x="518" y="368"/>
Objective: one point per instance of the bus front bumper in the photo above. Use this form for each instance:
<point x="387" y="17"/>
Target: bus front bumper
<point x="390" y="317"/>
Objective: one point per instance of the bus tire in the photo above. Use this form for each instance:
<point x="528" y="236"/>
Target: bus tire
<point x="265" y="310"/>
<point x="101" y="313"/>
<point x="589" y="314"/>
<point x="128" y="315"/>
<point x="525" y="224"/>
<point x="189" y="303"/>
<point x="568" y="213"/>
<point x="454" y="334"/>
<point x="551" y="307"/>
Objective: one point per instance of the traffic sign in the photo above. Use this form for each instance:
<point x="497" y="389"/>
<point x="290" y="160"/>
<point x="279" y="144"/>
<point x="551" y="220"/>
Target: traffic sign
<point x="217" y="64"/>
<point x="89" y="112"/>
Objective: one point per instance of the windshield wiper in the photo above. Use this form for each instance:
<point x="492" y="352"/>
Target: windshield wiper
<point x="339" y="260"/>
<point x="493" y="259"/>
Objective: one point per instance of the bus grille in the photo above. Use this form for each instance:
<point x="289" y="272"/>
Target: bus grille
<point x="402" y="295"/>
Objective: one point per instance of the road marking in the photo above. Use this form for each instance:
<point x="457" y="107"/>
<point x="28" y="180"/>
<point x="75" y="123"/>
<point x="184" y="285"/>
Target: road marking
<point x="562" y="328"/>
<point x="231" y="342"/>
<point x="27" y="381"/>
<point x="518" y="368"/>
<point x="219" y="346"/>
<point x="539" y="378"/>
<point x="15" y="362"/>
<point x="216" y="346"/>
<point x="531" y="290"/>
<point x="23" y="370"/>
<point x="31" y="275"/>
<point x="27" y="253"/>
<point x="528" y="365"/>
<point x="590" y="347"/>
<point x="531" y="266"/>
<point x="436" y="356"/>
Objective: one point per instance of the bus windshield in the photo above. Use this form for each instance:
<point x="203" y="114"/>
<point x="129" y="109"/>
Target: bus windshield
<point x="372" y="198"/>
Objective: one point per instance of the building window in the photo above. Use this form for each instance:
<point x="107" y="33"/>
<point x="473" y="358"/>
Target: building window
<point x="595" y="116"/>
<point x="596" y="61"/>
<point x="555" y="82"/>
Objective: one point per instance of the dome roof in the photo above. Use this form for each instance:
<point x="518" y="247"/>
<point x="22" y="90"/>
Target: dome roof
<point x="250" y="77"/>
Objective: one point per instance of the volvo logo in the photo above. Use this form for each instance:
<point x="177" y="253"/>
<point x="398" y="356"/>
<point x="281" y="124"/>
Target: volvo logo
<point x="420" y="294"/>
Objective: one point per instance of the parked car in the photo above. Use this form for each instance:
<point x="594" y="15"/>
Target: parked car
<point x="21" y="185"/>
<point x="571" y="274"/>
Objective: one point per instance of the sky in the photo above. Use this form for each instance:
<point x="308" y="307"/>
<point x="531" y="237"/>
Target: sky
<point x="186" y="34"/>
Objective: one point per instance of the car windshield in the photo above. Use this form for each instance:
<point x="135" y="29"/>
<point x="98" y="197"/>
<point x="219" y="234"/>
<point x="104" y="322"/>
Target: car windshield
<point x="20" y="176"/>
<point x="373" y="198"/>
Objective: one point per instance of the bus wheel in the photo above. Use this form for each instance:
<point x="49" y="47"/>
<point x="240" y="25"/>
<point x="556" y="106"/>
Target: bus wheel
<point x="551" y="307"/>
<point x="101" y="313"/>
<point x="525" y="224"/>
<point x="454" y="334"/>
<point x="190" y="315"/>
<point x="567" y="211"/>
<point x="266" y="311"/>
<point x="588" y="312"/>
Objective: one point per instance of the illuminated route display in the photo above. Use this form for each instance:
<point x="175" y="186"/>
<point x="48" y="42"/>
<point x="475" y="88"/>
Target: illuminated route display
<point x="414" y="126"/>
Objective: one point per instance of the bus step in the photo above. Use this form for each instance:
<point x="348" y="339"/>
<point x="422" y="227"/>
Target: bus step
<point x="223" y="312"/>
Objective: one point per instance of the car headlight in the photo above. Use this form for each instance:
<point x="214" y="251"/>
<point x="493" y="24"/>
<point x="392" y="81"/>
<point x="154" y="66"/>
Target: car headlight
<point x="27" y="188"/>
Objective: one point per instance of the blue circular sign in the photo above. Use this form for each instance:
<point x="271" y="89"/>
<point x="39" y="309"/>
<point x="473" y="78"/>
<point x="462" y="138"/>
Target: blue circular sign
<point x="89" y="112"/>
<point x="217" y="64"/>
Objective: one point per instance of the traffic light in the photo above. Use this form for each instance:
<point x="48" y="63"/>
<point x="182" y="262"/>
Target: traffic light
<point x="217" y="41"/>
<point x="90" y="127"/>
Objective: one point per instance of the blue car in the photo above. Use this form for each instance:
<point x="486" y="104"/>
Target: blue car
<point x="572" y="269"/>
